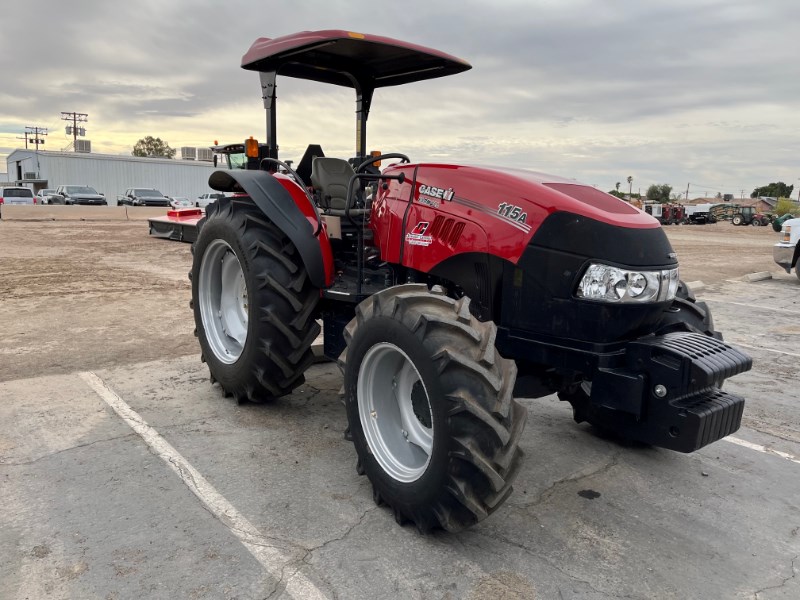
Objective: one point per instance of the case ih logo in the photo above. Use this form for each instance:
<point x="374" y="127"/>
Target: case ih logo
<point x="417" y="237"/>
<point x="434" y="192"/>
<point x="421" y="228"/>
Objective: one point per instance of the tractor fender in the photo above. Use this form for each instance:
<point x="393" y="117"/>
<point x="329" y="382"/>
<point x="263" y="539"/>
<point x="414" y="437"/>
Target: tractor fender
<point x="277" y="204"/>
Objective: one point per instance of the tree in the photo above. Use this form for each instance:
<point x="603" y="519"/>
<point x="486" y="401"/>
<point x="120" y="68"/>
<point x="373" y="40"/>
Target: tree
<point x="659" y="193"/>
<point x="773" y="190"/>
<point x="785" y="206"/>
<point x="150" y="146"/>
<point x="616" y="185"/>
<point x="630" y="185"/>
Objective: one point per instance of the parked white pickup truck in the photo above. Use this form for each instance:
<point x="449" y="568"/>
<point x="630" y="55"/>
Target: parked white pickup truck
<point x="787" y="250"/>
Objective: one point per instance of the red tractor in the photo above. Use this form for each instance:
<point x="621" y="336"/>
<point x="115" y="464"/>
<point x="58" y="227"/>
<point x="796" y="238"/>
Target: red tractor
<point x="445" y="291"/>
<point x="747" y="215"/>
<point x="667" y="214"/>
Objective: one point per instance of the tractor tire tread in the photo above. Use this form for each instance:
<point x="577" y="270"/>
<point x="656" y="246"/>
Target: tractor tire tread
<point x="285" y="301"/>
<point x="484" y="421"/>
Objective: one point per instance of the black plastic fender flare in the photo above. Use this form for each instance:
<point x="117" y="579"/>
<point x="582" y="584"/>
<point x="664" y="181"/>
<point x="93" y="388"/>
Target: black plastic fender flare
<point x="279" y="207"/>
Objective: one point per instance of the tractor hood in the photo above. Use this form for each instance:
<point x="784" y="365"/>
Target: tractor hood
<point x="502" y="210"/>
<point x="533" y="235"/>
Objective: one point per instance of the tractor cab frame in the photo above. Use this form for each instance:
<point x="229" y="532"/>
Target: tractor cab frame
<point x="360" y="61"/>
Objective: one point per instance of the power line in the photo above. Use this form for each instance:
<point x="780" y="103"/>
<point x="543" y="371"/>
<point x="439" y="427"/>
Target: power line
<point x="36" y="131"/>
<point x="76" y="118"/>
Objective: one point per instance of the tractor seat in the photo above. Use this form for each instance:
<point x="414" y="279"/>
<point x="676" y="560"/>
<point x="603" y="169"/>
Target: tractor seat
<point x="331" y="176"/>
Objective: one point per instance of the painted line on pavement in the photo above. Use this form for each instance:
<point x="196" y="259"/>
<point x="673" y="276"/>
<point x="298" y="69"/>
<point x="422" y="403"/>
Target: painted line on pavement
<point x="762" y="449"/>
<point x="262" y="548"/>
<point x="751" y="347"/>
<point x="751" y="306"/>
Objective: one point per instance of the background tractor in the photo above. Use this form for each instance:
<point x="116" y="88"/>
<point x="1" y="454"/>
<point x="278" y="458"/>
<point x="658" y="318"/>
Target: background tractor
<point x="445" y="292"/>
<point x="666" y="214"/>
<point x="747" y="215"/>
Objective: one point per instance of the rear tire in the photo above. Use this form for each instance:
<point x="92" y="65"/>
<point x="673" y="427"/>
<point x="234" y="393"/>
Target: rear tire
<point x="253" y="304"/>
<point x="737" y="220"/>
<point x="430" y="407"/>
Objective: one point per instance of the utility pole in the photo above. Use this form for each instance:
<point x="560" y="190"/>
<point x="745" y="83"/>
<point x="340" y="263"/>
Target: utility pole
<point x="24" y="138"/>
<point x="687" y="192"/>
<point x="75" y="118"/>
<point x="36" y="131"/>
<point x="742" y="198"/>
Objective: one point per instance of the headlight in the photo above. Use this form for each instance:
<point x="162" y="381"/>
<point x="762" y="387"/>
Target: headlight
<point x="605" y="283"/>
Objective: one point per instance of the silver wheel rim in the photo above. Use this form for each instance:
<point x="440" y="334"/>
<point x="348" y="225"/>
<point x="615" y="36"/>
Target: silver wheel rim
<point x="222" y="293"/>
<point x="395" y="412"/>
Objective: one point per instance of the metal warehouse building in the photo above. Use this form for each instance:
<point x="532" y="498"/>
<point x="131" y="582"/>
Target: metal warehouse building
<point x="107" y="173"/>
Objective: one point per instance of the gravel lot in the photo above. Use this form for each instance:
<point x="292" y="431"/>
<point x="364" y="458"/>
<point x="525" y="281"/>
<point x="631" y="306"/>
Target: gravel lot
<point x="89" y="295"/>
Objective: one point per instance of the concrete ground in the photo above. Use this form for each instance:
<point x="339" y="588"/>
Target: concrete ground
<point x="140" y="480"/>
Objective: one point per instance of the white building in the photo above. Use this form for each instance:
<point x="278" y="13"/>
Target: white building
<point x="108" y="174"/>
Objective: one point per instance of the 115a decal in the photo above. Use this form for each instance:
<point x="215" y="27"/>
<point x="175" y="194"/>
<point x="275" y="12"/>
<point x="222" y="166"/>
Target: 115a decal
<point x="512" y="212"/>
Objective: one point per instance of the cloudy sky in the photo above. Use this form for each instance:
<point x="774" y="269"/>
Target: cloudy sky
<point x="704" y="92"/>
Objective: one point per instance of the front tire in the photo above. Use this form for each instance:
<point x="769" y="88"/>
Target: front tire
<point x="253" y="304"/>
<point x="430" y="407"/>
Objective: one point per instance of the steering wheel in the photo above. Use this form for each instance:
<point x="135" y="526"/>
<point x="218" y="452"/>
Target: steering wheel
<point x="403" y="159"/>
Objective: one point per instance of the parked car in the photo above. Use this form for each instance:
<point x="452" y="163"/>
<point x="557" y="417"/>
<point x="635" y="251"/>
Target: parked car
<point x="180" y="202"/>
<point x="143" y="197"/>
<point x="77" y="194"/>
<point x="16" y="195"/>
<point x="43" y="196"/>
<point x="203" y="200"/>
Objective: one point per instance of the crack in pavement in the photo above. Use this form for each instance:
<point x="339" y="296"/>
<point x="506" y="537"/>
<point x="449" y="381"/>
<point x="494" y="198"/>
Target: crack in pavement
<point x="3" y="463"/>
<point x="261" y="540"/>
<point x="782" y="583"/>
<point x="304" y="560"/>
<point x="544" y="559"/>
<point x="766" y="430"/>
<point x="547" y="492"/>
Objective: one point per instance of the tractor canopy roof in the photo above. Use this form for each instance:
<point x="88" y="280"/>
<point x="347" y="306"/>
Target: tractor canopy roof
<point x="349" y="59"/>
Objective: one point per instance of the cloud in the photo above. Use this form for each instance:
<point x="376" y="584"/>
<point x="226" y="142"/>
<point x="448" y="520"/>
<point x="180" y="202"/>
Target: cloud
<point x="667" y="90"/>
